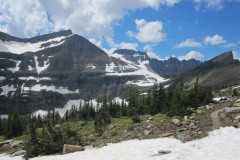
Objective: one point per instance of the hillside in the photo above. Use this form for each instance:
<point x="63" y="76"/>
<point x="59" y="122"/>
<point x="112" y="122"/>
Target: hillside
<point x="219" y="72"/>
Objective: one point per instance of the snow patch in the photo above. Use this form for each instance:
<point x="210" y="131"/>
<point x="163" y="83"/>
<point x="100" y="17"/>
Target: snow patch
<point x="140" y="69"/>
<point x="14" y="69"/>
<point x="68" y="106"/>
<point x="91" y="66"/>
<point x="34" y="78"/>
<point x="4" y="116"/>
<point x="6" y="89"/>
<point x="21" y="47"/>
<point x="42" y="113"/>
<point x="30" y="68"/>
<point x="2" y="78"/>
<point x="221" y="144"/>
<point x="110" y="67"/>
<point x="40" y="69"/>
<point x="38" y="88"/>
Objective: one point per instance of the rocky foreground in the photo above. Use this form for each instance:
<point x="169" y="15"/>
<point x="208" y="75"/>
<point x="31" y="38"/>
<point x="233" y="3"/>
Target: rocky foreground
<point x="206" y="118"/>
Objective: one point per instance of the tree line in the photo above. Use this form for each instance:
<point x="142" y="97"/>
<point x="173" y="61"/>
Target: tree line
<point x="46" y="137"/>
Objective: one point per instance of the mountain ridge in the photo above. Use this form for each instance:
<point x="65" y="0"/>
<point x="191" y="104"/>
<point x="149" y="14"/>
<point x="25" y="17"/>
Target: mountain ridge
<point x="216" y="73"/>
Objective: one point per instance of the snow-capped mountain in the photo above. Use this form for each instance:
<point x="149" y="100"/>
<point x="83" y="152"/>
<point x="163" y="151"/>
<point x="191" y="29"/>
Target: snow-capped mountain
<point x="49" y="70"/>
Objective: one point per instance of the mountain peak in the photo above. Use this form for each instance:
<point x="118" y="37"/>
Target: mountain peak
<point x="7" y="37"/>
<point x="225" y="57"/>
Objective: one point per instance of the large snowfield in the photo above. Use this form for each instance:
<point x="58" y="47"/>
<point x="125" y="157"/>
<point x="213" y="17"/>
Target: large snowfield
<point x="221" y="144"/>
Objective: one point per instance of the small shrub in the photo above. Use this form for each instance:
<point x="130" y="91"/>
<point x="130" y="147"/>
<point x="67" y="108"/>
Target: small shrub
<point x="136" y="119"/>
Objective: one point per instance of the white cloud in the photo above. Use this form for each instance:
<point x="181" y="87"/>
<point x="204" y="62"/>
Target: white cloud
<point x="147" y="48"/>
<point x="236" y="55"/>
<point x="90" y="18"/>
<point x="150" y="53"/>
<point x="124" y="45"/>
<point x="230" y="45"/>
<point x="153" y="55"/>
<point x="24" y="18"/>
<point x="148" y="31"/>
<point x="189" y="43"/>
<point x="214" y="40"/>
<point x="192" y="55"/>
<point x="209" y="4"/>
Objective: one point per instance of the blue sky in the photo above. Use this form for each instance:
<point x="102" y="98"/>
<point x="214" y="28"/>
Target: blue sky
<point x="186" y="29"/>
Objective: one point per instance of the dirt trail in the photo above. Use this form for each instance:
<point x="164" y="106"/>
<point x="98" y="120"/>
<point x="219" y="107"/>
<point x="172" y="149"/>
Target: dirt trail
<point x="215" y="119"/>
<point x="214" y="115"/>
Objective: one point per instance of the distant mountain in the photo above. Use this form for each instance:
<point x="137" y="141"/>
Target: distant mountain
<point x="221" y="71"/>
<point x="48" y="71"/>
<point x="165" y="68"/>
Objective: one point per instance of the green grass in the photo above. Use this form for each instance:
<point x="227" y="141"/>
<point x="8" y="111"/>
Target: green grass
<point x="2" y="138"/>
<point x="225" y="92"/>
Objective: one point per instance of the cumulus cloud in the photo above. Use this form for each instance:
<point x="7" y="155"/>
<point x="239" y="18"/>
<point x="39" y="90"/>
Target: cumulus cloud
<point x="90" y="18"/>
<point x="124" y="45"/>
<point x="153" y="55"/>
<point x="209" y="4"/>
<point x="214" y="40"/>
<point x="24" y="18"/>
<point x="151" y="32"/>
<point x="147" y="48"/>
<point x="192" y="55"/>
<point x="230" y="45"/>
<point x="189" y="43"/>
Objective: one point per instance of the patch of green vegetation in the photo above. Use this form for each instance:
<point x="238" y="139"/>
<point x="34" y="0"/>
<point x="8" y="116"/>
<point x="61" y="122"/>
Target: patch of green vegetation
<point x="116" y="139"/>
<point x="2" y="138"/>
<point x="230" y="91"/>
<point x="23" y="138"/>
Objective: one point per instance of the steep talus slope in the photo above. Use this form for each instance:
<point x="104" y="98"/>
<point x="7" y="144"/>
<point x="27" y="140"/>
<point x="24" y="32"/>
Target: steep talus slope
<point x="218" y="72"/>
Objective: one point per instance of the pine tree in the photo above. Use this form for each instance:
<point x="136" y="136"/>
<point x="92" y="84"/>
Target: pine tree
<point x="32" y="146"/>
<point x="162" y="99"/>
<point x="101" y="120"/>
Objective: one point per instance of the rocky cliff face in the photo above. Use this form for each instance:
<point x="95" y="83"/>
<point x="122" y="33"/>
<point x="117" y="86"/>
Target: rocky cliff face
<point x="47" y="71"/>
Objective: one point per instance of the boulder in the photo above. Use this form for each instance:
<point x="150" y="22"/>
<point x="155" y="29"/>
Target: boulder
<point x="191" y="125"/>
<point x="164" y="152"/>
<point x="18" y="153"/>
<point x="71" y="148"/>
<point x="182" y="136"/>
<point x="199" y="111"/>
<point x="15" y="144"/>
<point x="237" y="117"/>
<point x="150" y="118"/>
<point x="111" y="126"/>
<point x="165" y="135"/>
<point x="6" y="142"/>
<point x="239" y="125"/>
<point x="177" y="122"/>
<point x="146" y="132"/>
<point x="185" y="118"/>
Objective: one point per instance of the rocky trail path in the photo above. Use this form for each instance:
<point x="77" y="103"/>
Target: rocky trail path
<point x="216" y="123"/>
